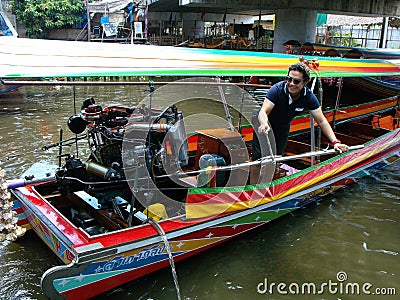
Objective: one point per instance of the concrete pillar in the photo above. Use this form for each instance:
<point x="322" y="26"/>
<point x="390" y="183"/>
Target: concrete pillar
<point x="294" y="24"/>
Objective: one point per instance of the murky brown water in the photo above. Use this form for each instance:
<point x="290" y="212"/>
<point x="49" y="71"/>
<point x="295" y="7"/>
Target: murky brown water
<point x="355" y="231"/>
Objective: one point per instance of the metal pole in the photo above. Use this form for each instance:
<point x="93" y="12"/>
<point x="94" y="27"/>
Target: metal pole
<point x="60" y="148"/>
<point x="312" y="128"/>
<point x="312" y="139"/>
<point x="89" y="29"/>
<point x="340" y="85"/>
<point x="261" y="161"/>
<point x="132" y="33"/>
<point x="384" y="29"/>
<point x="258" y="30"/>
<point x="223" y="99"/>
<point x="160" y="42"/>
<point x="91" y="83"/>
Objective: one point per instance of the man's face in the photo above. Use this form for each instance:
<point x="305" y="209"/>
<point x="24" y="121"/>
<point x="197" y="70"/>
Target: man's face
<point x="295" y="82"/>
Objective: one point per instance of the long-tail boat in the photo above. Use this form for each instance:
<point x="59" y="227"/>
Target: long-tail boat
<point x="371" y="87"/>
<point x="149" y="194"/>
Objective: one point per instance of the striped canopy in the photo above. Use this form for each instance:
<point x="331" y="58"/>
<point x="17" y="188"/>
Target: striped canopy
<point x="27" y="58"/>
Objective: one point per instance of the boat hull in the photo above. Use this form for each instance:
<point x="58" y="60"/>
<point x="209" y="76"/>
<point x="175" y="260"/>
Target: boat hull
<point x="98" y="264"/>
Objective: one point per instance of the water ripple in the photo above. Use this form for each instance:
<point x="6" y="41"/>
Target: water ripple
<point x="381" y="250"/>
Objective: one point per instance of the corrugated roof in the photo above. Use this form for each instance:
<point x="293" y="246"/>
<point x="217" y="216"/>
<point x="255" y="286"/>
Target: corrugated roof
<point x="337" y="20"/>
<point x="108" y="6"/>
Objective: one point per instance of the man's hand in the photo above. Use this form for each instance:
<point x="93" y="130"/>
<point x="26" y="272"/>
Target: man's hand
<point x="339" y="147"/>
<point x="264" y="128"/>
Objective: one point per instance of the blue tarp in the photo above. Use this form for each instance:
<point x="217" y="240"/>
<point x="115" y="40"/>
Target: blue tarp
<point x="4" y="29"/>
<point x="321" y="19"/>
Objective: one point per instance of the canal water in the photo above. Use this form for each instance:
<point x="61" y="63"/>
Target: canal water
<point x="346" y="243"/>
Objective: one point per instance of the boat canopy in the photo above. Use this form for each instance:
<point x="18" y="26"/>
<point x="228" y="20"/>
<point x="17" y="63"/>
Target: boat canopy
<point x="373" y="53"/>
<point x="322" y="48"/>
<point x="29" y="58"/>
<point x="332" y="53"/>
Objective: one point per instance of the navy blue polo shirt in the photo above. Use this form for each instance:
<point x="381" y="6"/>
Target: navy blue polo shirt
<point x="283" y="112"/>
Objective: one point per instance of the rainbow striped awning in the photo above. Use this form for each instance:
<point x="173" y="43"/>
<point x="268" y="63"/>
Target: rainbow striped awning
<point x="28" y="58"/>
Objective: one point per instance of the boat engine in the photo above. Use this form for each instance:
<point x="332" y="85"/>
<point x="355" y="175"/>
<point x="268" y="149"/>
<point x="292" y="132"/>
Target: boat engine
<point x="105" y="129"/>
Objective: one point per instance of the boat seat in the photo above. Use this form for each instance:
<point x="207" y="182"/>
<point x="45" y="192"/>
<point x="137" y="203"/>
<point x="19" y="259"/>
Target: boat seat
<point x="206" y="179"/>
<point x="365" y="131"/>
<point x="88" y="199"/>
<point x="93" y="207"/>
<point x="386" y="122"/>
<point x="295" y="147"/>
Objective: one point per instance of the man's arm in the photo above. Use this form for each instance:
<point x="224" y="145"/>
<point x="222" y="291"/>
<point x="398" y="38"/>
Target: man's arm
<point x="263" y="116"/>
<point x="327" y="130"/>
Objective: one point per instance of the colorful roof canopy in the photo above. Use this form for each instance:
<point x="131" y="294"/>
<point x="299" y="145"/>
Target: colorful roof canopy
<point x="27" y="58"/>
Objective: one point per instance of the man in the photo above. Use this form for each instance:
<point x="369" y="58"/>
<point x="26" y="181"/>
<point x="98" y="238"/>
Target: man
<point x="284" y="101"/>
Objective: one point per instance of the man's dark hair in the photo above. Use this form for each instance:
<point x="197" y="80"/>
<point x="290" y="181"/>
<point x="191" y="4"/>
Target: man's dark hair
<point x="302" y="68"/>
